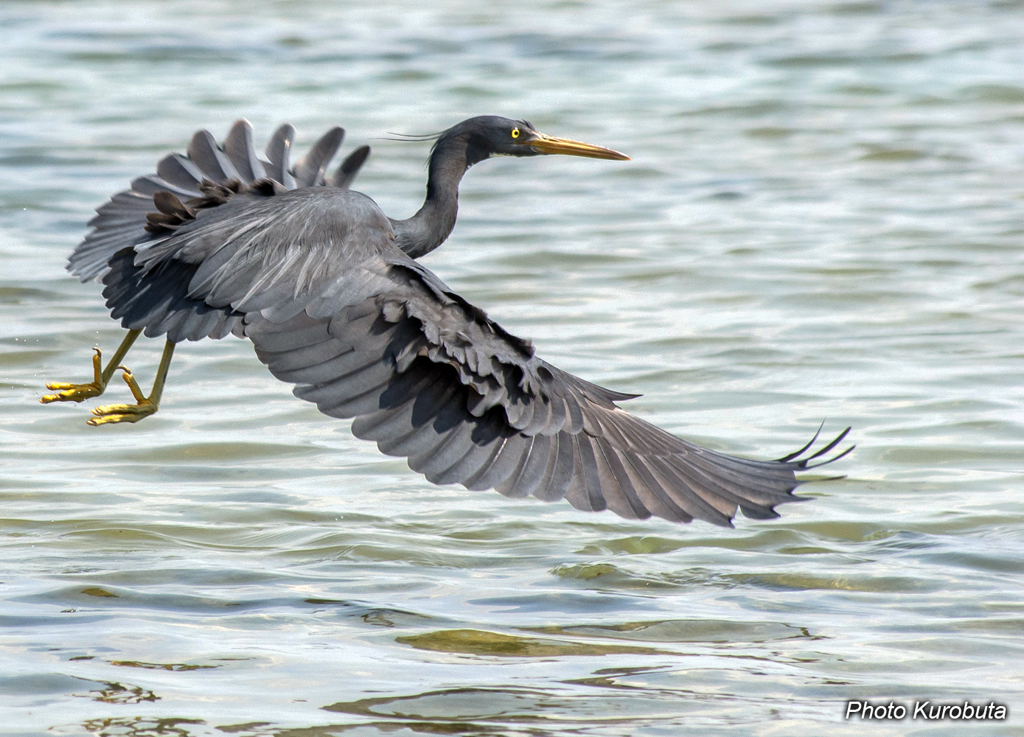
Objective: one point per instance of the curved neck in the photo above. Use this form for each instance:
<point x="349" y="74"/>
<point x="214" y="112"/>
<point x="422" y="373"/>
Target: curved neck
<point x="433" y="223"/>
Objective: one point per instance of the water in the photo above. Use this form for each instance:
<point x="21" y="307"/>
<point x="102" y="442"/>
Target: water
<point x="822" y="219"/>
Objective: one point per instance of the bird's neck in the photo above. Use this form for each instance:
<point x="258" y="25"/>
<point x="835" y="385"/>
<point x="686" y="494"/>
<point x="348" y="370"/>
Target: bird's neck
<point x="433" y="223"/>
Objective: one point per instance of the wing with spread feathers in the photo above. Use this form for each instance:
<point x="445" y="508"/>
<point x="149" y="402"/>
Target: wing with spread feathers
<point x="122" y="221"/>
<point x="431" y="378"/>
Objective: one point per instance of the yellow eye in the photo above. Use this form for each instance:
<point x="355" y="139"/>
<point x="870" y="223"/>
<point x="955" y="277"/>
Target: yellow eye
<point x="515" y="133"/>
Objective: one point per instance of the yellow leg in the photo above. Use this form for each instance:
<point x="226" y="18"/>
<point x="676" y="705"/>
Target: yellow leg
<point x="145" y="406"/>
<point x="79" y="392"/>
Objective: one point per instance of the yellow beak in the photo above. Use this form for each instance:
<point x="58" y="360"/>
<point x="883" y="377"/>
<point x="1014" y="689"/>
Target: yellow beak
<point x="552" y="145"/>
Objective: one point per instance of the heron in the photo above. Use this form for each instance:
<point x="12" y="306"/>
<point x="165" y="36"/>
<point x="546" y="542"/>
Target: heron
<point x="327" y="288"/>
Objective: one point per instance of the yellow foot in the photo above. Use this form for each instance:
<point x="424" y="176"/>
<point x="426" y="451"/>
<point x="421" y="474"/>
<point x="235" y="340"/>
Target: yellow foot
<point x="78" y="392"/>
<point x="122" y="412"/>
<point x="71" y="392"/>
<point x="126" y="412"/>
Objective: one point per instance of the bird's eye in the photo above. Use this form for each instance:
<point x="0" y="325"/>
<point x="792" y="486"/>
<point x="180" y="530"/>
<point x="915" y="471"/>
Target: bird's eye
<point x="515" y="133"/>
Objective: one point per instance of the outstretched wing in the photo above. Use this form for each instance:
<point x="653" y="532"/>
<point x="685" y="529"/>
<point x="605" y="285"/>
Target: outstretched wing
<point x="429" y="377"/>
<point x="122" y="221"/>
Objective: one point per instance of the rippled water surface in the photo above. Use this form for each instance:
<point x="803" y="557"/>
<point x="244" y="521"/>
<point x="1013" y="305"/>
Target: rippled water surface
<point x="823" y="219"/>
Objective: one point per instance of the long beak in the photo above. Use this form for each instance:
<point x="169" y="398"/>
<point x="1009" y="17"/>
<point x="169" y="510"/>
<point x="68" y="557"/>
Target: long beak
<point x="552" y="145"/>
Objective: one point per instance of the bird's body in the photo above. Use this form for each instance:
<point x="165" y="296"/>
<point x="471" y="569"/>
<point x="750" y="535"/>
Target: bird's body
<point x="327" y="288"/>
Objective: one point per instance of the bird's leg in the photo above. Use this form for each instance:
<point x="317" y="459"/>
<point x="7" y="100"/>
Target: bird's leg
<point x="144" y="406"/>
<point x="78" y="392"/>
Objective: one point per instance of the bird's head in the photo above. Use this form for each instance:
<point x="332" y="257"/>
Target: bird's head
<point x="491" y="135"/>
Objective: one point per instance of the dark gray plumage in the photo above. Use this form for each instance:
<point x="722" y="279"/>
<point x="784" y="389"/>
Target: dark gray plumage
<point x="326" y="286"/>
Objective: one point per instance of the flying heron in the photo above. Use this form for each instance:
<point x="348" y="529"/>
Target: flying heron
<point x="221" y="241"/>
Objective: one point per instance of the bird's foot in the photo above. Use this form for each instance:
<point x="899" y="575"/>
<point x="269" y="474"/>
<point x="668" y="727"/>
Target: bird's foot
<point x="71" y="392"/>
<point x="109" y="413"/>
<point x="78" y="392"/>
<point x="122" y="412"/>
